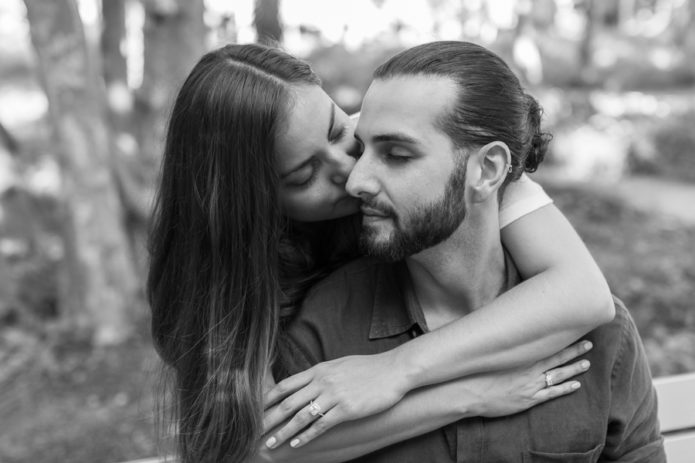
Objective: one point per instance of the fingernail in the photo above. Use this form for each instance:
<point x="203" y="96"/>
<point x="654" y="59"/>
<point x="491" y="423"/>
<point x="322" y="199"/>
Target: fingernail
<point x="575" y="385"/>
<point x="270" y="443"/>
<point x="588" y="345"/>
<point x="294" y="443"/>
<point x="584" y="364"/>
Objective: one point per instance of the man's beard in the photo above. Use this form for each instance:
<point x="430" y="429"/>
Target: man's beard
<point x="428" y="226"/>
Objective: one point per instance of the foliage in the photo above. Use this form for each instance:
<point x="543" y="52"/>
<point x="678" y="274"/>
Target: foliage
<point x="669" y="149"/>
<point x="649" y="263"/>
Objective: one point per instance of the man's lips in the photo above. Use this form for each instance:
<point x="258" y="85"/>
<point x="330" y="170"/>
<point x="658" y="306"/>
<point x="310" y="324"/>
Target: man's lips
<point x="372" y="212"/>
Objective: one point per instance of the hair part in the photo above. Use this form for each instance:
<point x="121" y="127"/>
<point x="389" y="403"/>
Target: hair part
<point x="213" y="284"/>
<point x="491" y="104"/>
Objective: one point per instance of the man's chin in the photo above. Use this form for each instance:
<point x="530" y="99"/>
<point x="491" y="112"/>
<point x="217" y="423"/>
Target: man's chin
<point x="381" y="248"/>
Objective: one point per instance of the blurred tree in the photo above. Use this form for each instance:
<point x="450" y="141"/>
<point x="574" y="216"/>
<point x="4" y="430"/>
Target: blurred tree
<point x="112" y="43"/>
<point x="99" y="286"/>
<point x="586" y="45"/>
<point x="174" y="40"/>
<point x="126" y="166"/>
<point x="266" y="19"/>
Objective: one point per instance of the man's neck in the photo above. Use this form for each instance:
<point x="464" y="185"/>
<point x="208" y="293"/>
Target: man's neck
<point x="460" y="274"/>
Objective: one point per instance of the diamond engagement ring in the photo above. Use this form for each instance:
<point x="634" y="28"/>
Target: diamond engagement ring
<point x="548" y="380"/>
<point x="315" y="409"/>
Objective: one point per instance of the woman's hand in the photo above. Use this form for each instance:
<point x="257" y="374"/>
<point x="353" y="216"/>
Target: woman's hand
<point x="512" y="391"/>
<point x="336" y="391"/>
<point x="358" y="386"/>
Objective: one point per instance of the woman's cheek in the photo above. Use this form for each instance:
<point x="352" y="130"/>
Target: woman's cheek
<point x="303" y="207"/>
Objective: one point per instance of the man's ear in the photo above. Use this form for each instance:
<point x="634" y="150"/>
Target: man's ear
<point x="493" y="162"/>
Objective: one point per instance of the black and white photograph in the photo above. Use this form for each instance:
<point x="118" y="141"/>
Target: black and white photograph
<point x="325" y="231"/>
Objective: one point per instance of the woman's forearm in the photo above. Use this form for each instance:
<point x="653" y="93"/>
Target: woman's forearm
<point x="520" y="326"/>
<point x="419" y="412"/>
<point x="563" y="297"/>
<point x="426" y="409"/>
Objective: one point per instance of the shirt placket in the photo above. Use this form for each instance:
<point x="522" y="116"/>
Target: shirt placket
<point x="469" y="440"/>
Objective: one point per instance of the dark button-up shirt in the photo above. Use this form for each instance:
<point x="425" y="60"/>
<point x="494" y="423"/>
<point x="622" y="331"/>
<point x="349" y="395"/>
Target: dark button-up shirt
<point x="368" y="307"/>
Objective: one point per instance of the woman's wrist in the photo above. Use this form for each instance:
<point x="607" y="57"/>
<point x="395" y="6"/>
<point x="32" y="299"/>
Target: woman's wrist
<point x="410" y="371"/>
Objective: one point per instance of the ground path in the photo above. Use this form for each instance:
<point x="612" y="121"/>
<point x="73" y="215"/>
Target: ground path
<point x="670" y="198"/>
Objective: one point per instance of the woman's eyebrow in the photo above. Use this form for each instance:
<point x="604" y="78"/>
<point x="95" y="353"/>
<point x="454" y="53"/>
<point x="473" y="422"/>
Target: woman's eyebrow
<point x="330" y="125"/>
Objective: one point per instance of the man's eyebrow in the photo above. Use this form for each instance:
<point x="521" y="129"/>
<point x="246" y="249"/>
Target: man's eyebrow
<point x="391" y="137"/>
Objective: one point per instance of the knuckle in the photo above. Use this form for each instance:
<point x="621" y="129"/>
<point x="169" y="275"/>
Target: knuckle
<point x="287" y="406"/>
<point x="300" y="420"/>
<point x="327" y="380"/>
<point x="319" y="427"/>
<point x="348" y="408"/>
<point x="280" y="389"/>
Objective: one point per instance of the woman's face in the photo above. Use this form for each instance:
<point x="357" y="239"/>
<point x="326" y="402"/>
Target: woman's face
<point x="315" y="154"/>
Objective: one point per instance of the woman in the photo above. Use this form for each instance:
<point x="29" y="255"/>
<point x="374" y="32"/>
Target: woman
<point x="251" y="211"/>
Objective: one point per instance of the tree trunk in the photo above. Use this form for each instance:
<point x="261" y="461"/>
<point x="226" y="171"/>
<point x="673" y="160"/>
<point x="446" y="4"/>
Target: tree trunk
<point x="99" y="287"/>
<point x="134" y="189"/>
<point x="586" y="46"/>
<point x="112" y="39"/>
<point x="266" y="19"/>
<point x="174" y="42"/>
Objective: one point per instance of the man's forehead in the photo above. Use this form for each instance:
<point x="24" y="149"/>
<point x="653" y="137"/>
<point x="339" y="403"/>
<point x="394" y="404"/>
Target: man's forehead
<point x="406" y="101"/>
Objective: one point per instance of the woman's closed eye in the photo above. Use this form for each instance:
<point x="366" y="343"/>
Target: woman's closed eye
<point x="302" y="177"/>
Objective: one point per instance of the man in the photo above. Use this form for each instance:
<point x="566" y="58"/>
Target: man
<point x="444" y="127"/>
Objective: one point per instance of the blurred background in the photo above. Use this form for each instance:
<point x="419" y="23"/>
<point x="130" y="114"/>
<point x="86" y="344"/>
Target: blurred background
<point x="85" y="88"/>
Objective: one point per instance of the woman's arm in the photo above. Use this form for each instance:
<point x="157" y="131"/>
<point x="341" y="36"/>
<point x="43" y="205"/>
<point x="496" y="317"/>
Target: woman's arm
<point x="426" y="409"/>
<point x="564" y="296"/>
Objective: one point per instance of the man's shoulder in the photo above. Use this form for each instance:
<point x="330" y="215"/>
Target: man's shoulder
<point x="618" y="346"/>
<point x="614" y="333"/>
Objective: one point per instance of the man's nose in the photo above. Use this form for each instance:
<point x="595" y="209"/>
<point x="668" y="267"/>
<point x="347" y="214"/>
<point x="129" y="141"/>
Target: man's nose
<point x="361" y="182"/>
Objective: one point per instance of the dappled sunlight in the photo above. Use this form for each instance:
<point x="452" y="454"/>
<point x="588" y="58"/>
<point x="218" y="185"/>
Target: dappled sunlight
<point x="21" y="106"/>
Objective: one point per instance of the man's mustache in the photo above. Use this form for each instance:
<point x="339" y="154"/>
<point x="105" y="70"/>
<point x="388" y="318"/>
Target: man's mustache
<point x="374" y="207"/>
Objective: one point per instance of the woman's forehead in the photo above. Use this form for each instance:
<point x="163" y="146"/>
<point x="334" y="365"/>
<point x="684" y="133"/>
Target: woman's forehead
<point x="308" y="120"/>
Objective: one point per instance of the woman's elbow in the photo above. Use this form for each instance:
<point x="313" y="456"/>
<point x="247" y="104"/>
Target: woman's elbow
<point x="598" y="305"/>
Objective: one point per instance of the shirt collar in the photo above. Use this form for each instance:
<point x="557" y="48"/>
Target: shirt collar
<point x="394" y="292"/>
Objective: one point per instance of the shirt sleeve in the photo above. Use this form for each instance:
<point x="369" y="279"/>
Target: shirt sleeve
<point x="633" y="433"/>
<point x="521" y="197"/>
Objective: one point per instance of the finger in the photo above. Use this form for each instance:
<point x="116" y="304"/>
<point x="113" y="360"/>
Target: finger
<point x="565" y="355"/>
<point x="553" y="392"/>
<point x="288" y="407"/>
<point x="562" y="374"/>
<point x="299" y="422"/>
<point x="317" y="428"/>
<point x="286" y="387"/>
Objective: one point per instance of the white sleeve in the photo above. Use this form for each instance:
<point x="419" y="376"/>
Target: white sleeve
<point x="521" y="197"/>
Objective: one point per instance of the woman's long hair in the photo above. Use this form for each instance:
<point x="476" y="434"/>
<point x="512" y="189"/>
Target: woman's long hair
<point x="213" y="283"/>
